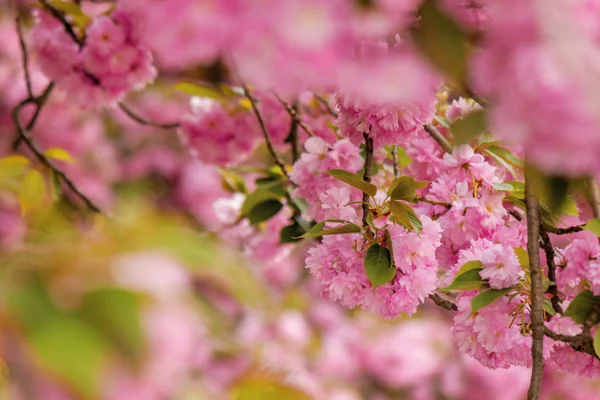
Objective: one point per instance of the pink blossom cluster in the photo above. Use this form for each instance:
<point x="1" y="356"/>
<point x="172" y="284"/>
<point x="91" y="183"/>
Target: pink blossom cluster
<point x="99" y="71"/>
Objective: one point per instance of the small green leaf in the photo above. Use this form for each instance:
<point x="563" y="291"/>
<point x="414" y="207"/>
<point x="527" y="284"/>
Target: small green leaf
<point x="232" y="182"/>
<point x="487" y="297"/>
<point x="33" y="190"/>
<point x="116" y="314"/>
<point x="263" y="211"/>
<point x="405" y="216"/>
<point x="291" y="233"/>
<point x="469" y="280"/>
<point x="404" y="188"/>
<point x="548" y="308"/>
<point x="72" y="9"/>
<point x="336" y="230"/>
<point x="257" y="197"/>
<point x="378" y="265"/>
<point x="593" y="226"/>
<point x="504" y="187"/>
<point x="353" y="180"/>
<point x="581" y="306"/>
<point x="597" y="343"/>
<point x="12" y="167"/>
<point x="468" y="266"/>
<point x="194" y="89"/>
<point x="443" y="42"/>
<point x="468" y="127"/>
<point x="59" y="154"/>
<point x="390" y="246"/>
<point x="523" y="257"/>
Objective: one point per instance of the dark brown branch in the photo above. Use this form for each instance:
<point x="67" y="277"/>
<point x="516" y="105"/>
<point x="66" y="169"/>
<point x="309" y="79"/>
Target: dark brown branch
<point x="263" y="128"/>
<point x="517" y="215"/>
<point x="137" y="118"/>
<point x="367" y="175"/>
<point x="480" y="100"/>
<point x="395" y="162"/>
<point x="295" y="117"/>
<point x="440" y="301"/>
<point x="438" y="137"/>
<point x="24" y="135"/>
<point x="578" y="343"/>
<point x="434" y="202"/>
<point x="552" y="288"/>
<point x="61" y="17"/>
<point x="39" y="103"/>
<point x="562" y="231"/>
<point x="537" y="291"/>
<point x="330" y="110"/>
<point x="293" y="137"/>
<point x="24" y="57"/>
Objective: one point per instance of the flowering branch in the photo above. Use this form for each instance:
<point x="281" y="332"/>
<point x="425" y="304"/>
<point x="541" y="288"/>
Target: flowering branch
<point x="61" y="17"/>
<point x="440" y="301"/>
<point x="438" y="137"/>
<point x="265" y="132"/>
<point x="552" y="288"/>
<point x="367" y="175"/>
<point x="143" y="121"/>
<point x="537" y="291"/>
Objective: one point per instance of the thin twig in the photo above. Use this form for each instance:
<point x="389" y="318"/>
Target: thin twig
<point x="578" y="342"/>
<point x="434" y="202"/>
<point x="552" y="288"/>
<point x="61" y="17"/>
<point x="367" y="175"/>
<point x="330" y="110"/>
<point x="143" y="121"/>
<point x="265" y="132"/>
<point x="395" y="162"/>
<point x="438" y="137"/>
<point x="39" y="103"/>
<point x="24" y="134"/>
<point x="537" y="291"/>
<point x="562" y="231"/>
<point x="294" y="115"/>
<point x="24" y="57"/>
<point x="480" y="100"/>
<point x="517" y="215"/>
<point x="440" y="301"/>
<point x="293" y="137"/>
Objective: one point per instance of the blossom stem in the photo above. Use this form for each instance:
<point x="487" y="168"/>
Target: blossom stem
<point x="537" y="291"/>
<point x="367" y="175"/>
<point x="438" y="137"/>
<point x="143" y="121"/>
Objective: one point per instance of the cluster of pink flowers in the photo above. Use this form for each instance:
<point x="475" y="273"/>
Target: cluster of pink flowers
<point x="99" y="71"/>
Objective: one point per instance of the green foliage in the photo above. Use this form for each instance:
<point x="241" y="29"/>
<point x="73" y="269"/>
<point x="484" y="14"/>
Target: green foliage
<point x="33" y="190"/>
<point x="265" y="387"/>
<point x="468" y="127"/>
<point x="593" y="226"/>
<point x="405" y="215"/>
<point x="467" y="277"/>
<point x="487" y="297"/>
<point x="195" y="89"/>
<point x="581" y="306"/>
<point x="404" y="188"/>
<point x="56" y="153"/>
<point x="378" y="265"/>
<point x="354" y="180"/>
<point x="320" y="230"/>
<point x="597" y="343"/>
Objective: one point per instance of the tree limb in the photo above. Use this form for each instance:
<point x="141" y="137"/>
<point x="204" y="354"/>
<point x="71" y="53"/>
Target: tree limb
<point x="367" y="175"/>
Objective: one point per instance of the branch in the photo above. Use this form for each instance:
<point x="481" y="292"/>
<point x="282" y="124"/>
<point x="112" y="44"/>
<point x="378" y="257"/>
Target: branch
<point x="552" y="289"/>
<point x="61" y="17"/>
<point x="480" y="100"/>
<point x="367" y="175"/>
<point x="293" y="137"/>
<point x="294" y="115"/>
<point x="24" y="135"/>
<point x="143" y="121"/>
<point x="438" y="137"/>
<point x="395" y="163"/>
<point x="537" y="291"/>
<point x="434" y="202"/>
<point x="265" y="132"/>
<point x="440" y="301"/>
<point x="562" y="231"/>
<point x="578" y="342"/>
<point x="24" y="57"/>
<point x="330" y="110"/>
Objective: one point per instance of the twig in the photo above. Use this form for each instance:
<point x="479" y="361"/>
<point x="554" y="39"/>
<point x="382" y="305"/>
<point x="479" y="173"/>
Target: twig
<point x="537" y="291"/>
<point x="552" y="288"/>
<point x="263" y="128"/>
<point x="24" y="134"/>
<point x="60" y="16"/>
<point x="434" y="202"/>
<point x="39" y="103"/>
<point x="367" y="175"/>
<point x="293" y="137"/>
<point x="24" y="57"/>
<point x="438" y="137"/>
<point x="395" y="163"/>
<point x="517" y="215"/>
<point x="578" y="343"/>
<point x="440" y="301"/>
<point x="480" y="100"/>
<point x="330" y="110"/>
<point x="292" y="111"/>
<point x="143" y="121"/>
<point x="562" y="231"/>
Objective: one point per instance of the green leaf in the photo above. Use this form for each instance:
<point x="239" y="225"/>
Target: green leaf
<point x="505" y="187"/>
<point x="116" y="314"/>
<point x="59" y="154"/>
<point x="12" y="167"/>
<point x="73" y="351"/>
<point x="72" y="9"/>
<point x="469" y="126"/>
<point x="469" y="280"/>
<point x="194" y="89"/>
<point x="378" y="265"/>
<point x="263" y="211"/>
<point x="404" y="188"/>
<point x="262" y="387"/>
<point x="593" y="226"/>
<point x="487" y="297"/>
<point x="443" y="42"/>
<point x="33" y="190"/>
<point x="405" y="215"/>
<point x="232" y="182"/>
<point x="597" y="343"/>
<point x="468" y="266"/>
<point x="500" y="160"/>
<point x="390" y="246"/>
<point x="258" y="197"/>
<point x="336" y="230"/>
<point x="581" y="306"/>
<point x="523" y="257"/>
<point x="291" y="233"/>
<point x="548" y="307"/>
<point x="353" y="180"/>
